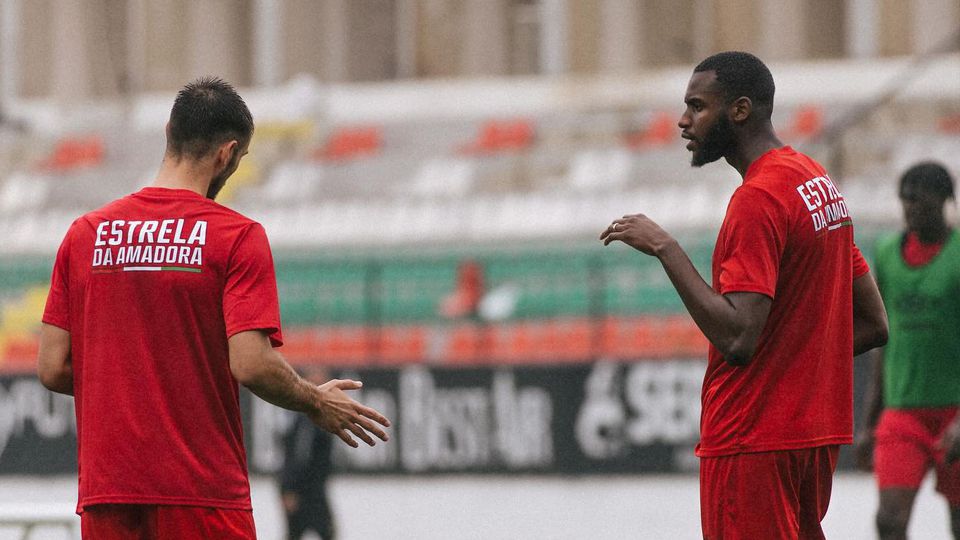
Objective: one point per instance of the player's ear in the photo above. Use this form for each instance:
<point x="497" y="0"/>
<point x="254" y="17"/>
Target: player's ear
<point x="740" y="109"/>
<point x="225" y="153"/>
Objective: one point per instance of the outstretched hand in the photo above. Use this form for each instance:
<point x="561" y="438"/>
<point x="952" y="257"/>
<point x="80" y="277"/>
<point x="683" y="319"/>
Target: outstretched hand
<point x="341" y="415"/>
<point x="637" y="231"/>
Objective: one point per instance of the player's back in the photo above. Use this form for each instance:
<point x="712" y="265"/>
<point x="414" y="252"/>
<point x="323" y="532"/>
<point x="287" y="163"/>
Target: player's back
<point x="157" y="407"/>
<point x="787" y="235"/>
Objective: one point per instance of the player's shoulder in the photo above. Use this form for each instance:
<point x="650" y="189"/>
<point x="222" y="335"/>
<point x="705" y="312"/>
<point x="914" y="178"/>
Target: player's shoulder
<point x="888" y="244"/>
<point x="104" y="212"/>
<point x="952" y="246"/>
<point x="783" y="166"/>
<point x="230" y="214"/>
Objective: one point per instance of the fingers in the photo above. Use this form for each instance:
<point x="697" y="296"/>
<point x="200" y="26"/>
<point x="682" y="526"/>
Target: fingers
<point x="612" y="237"/>
<point x="359" y="432"/>
<point x="373" y="415"/>
<point x="345" y="437"/>
<point x="346" y="384"/>
<point x="351" y="417"/>
<point x="372" y="428"/>
<point x="615" y="227"/>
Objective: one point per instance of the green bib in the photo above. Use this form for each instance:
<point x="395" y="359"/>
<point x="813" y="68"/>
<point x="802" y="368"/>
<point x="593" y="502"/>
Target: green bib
<point x="921" y="362"/>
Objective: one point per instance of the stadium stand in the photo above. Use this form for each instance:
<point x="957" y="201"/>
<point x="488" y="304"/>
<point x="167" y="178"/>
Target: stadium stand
<point x="373" y="198"/>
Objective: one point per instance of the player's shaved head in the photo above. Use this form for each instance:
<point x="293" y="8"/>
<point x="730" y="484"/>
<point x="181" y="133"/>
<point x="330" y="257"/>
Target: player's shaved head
<point x="207" y="113"/>
<point x="741" y="74"/>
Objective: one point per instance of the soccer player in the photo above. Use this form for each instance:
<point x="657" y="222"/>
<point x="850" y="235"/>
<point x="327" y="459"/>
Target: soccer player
<point x="792" y="301"/>
<point x="160" y="303"/>
<point x="915" y="394"/>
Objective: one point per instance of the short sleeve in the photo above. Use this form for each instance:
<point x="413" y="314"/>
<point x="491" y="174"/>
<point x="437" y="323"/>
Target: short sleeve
<point x="754" y="240"/>
<point x="860" y="266"/>
<point x="57" y="309"/>
<point x="250" y="299"/>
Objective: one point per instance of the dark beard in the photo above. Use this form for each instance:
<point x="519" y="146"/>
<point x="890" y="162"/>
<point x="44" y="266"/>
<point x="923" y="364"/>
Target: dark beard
<point x="216" y="185"/>
<point x="218" y="181"/>
<point x="716" y="144"/>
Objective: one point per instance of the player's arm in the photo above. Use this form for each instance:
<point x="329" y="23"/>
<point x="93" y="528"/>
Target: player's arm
<point x="261" y="368"/>
<point x="870" y="328"/>
<point x="732" y="322"/>
<point x="54" y="366"/>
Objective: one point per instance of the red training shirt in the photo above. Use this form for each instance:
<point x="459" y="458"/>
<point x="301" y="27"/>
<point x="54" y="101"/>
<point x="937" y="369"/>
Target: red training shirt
<point x="150" y="287"/>
<point x="916" y="253"/>
<point x="787" y="234"/>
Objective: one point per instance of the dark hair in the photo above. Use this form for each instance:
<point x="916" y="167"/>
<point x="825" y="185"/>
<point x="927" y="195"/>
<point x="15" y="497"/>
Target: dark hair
<point x="207" y="113"/>
<point x="930" y="177"/>
<point x="742" y="74"/>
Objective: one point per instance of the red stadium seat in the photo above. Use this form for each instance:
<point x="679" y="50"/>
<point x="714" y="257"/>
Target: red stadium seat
<point x="74" y="153"/>
<point x="660" y="131"/>
<point x="807" y="122"/>
<point x="949" y="124"/>
<point x="348" y="143"/>
<point x="500" y="136"/>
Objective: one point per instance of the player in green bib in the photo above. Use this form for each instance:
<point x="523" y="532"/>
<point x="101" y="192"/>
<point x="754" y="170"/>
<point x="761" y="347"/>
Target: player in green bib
<point x="911" y="418"/>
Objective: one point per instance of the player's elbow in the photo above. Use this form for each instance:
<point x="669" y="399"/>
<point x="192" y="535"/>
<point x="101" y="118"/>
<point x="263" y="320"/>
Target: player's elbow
<point x="738" y="357"/>
<point x="56" y="378"/>
<point x="737" y="352"/>
<point x="871" y="336"/>
<point x="881" y="333"/>
<point x="245" y="369"/>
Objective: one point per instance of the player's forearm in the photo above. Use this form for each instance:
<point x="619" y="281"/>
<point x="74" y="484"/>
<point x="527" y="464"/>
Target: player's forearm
<point x="719" y="320"/>
<point x="274" y="381"/>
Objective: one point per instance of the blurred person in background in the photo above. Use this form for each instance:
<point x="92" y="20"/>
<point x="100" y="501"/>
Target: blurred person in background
<point x="911" y="423"/>
<point x="160" y="304"/>
<point x="307" y="463"/>
<point x="463" y="302"/>
<point x="792" y="301"/>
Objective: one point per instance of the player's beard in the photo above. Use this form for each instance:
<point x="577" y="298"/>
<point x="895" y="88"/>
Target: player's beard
<point x="715" y="144"/>
<point x="217" y="184"/>
<point x="218" y="181"/>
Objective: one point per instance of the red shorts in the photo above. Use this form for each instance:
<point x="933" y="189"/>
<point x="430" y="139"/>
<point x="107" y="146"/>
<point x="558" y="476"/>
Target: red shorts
<point x="163" y="522"/>
<point x="907" y="446"/>
<point x="769" y="495"/>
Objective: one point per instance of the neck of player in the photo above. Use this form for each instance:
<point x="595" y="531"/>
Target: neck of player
<point x="752" y="142"/>
<point x="185" y="173"/>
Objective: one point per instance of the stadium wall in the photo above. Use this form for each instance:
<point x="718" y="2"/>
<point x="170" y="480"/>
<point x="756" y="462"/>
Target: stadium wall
<point x="597" y="418"/>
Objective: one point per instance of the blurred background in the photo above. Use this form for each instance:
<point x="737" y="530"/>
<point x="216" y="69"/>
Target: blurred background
<point x="433" y="175"/>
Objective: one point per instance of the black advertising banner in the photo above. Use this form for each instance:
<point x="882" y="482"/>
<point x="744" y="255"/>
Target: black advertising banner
<point x="581" y="419"/>
<point x="595" y="418"/>
<point x="38" y="431"/>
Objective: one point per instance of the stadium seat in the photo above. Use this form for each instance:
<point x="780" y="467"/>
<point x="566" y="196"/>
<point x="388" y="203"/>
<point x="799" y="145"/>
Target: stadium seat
<point x="661" y="130"/>
<point x="500" y="136"/>
<point x="949" y="124"/>
<point x="348" y="143"/>
<point x="74" y="153"/>
<point x="807" y="122"/>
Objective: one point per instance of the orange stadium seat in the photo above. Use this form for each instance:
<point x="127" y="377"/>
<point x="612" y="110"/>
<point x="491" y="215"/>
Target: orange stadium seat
<point x="501" y="135"/>
<point x="348" y="143"/>
<point x="661" y="130"/>
<point x="74" y="153"/>
<point x="807" y="122"/>
<point x="949" y="124"/>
